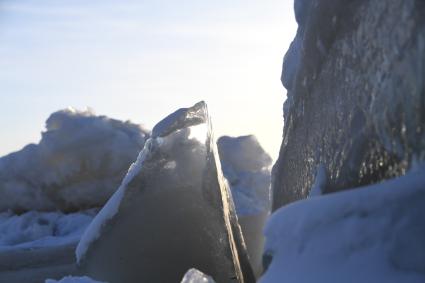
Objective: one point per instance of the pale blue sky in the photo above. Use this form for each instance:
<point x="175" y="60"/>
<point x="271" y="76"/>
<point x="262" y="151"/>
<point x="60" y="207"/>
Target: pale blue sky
<point x="140" y="60"/>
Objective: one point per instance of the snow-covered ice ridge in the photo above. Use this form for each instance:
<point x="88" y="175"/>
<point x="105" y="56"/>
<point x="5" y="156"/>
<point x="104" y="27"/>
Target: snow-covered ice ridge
<point x="370" y="234"/>
<point x="78" y="163"/>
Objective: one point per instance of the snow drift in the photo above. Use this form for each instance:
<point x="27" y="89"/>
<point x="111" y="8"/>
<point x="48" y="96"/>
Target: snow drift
<point x="78" y="163"/>
<point x="371" y="234"/>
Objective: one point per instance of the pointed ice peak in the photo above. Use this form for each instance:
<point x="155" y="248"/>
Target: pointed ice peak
<point x="182" y="118"/>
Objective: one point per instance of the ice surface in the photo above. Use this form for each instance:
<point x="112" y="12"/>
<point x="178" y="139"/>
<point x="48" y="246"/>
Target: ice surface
<point x="371" y="234"/>
<point x="78" y="163"/>
<point x="172" y="205"/>
<point x="320" y="182"/>
<point x="301" y="8"/>
<point x="42" y="229"/>
<point x="195" y="276"/>
<point x="182" y="118"/>
<point x="110" y="209"/>
<point x="72" y="279"/>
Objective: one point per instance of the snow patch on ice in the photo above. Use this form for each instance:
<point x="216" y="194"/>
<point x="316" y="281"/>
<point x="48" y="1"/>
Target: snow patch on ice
<point x="72" y="279"/>
<point x="195" y="276"/>
<point x="370" y="234"/>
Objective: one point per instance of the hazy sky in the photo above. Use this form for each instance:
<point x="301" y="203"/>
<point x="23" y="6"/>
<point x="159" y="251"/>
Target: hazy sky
<point x="141" y="60"/>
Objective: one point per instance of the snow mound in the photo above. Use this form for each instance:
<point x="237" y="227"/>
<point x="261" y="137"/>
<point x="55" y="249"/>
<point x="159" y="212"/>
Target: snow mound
<point x="72" y="279"/>
<point x="78" y="163"/>
<point x="195" y="276"/>
<point x="371" y="234"/>
<point x="42" y="229"/>
<point x="246" y="167"/>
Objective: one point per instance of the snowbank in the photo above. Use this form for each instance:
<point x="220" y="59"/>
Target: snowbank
<point x="246" y="167"/>
<point x="371" y="234"/>
<point x="78" y="163"/>
<point x="42" y="229"/>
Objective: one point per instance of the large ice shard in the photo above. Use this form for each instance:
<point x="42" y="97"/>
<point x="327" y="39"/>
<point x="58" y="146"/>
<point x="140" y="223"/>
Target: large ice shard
<point x="171" y="213"/>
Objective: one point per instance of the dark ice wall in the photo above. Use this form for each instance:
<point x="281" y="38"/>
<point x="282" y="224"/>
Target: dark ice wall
<point x="355" y="80"/>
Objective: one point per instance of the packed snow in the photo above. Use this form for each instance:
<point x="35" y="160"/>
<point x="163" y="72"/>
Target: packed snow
<point x="195" y="276"/>
<point x="370" y="234"/>
<point x="73" y="279"/>
<point x="246" y="166"/>
<point x="42" y="229"/>
<point x="78" y="163"/>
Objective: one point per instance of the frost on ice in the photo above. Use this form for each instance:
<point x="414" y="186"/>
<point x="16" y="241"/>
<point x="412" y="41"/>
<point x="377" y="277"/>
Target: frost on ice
<point x="371" y="234"/>
<point x="195" y="276"/>
<point x="171" y="213"/>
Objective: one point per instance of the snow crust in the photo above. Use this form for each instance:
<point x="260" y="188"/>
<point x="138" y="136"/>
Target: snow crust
<point x="78" y="163"/>
<point x="246" y="166"/>
<point x="42" y="229"/>
<point x="195" y="276"/>
<point x="370" y="234"/>
<point x="73" y="279"/>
